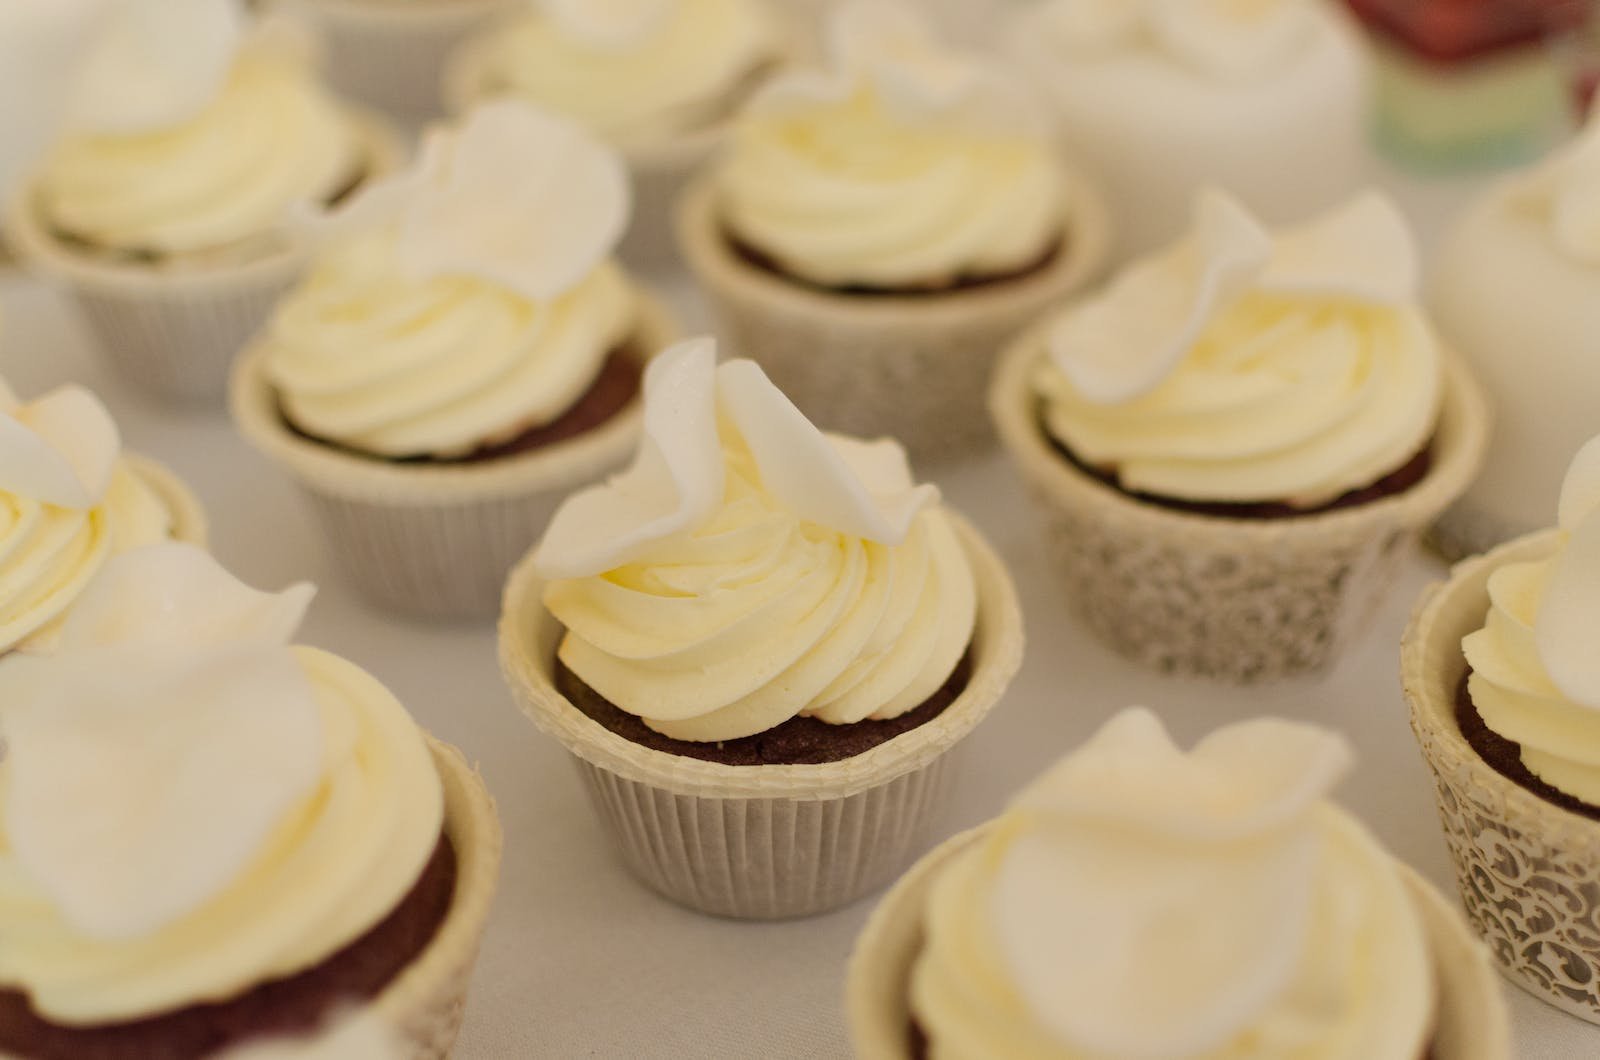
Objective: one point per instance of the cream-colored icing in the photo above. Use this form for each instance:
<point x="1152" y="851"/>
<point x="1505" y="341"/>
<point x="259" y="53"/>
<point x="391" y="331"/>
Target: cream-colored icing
<point x="906" y="164"/>
<point x="636" y="72"/>
<point x="1143" y="901"/>
<point x="1238" y="366"/>
<point x="749" y="569"/>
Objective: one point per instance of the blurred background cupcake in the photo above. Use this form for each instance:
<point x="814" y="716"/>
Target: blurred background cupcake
<point x="164" y="207"/>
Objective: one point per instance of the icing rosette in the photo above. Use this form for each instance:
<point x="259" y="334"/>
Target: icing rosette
<point x="1564" y="192"/>
<point x="1143" y="901"/>
<point x="1239" y="365"/>
<point x="1535" y="672"/>
<point x="748" y="568"/>
<point x="190" y="132"/>
<point x="68" y="502"/>
<point x="463" y="301"/>
<point x="904" y="164"/>
<point x="634" y="71"/>
<point x="190" y="807"/>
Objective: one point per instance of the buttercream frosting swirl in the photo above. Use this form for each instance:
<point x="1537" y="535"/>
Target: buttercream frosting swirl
<point x="68" y="502"/>
<point x="1564" y="191"/>
<point x="635" y="71"/>
<point x="748" y="568"/>
<point x="1239" y="366"/>
<point x="191" y="138"/>
<point x="464" y="301"/>
<point x="1535" y="672"/>
<point x="1227" y="40"/>
<point x="190" y="807"/>
<point x="905" y="164"/>
<point x="1140" y="901"/>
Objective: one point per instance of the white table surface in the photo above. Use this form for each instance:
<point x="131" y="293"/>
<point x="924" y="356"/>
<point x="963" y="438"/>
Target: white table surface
<point x="580" y="960"/>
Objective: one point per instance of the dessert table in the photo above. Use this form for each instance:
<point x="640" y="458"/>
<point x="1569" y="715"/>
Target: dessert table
<point x="581" y="960"/>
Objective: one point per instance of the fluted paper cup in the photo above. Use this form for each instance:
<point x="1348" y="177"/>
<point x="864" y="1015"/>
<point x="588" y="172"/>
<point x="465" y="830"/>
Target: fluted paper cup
<point x="912" y="367"/>
<point x="173" y="329"/>
<point x="1527" y="868"/>
<point x="763" y="842"/>
<point x="189" y="522"/>
<point x="1240" y="600"/>
<point x="1471" y="1022"/>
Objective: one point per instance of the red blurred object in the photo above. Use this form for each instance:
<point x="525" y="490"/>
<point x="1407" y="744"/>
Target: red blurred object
<point x="1460" y="31"/>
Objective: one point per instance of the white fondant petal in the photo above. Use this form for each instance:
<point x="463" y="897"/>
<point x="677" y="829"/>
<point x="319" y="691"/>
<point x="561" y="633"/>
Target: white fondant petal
<point x="1567" y="630"/>
<point x="619" y="24"/>
<point x="1580" y="490"/>
<point x="1228" y="39"/>
<point x="59" y="449"/>
<point x="1123" y="342"/>
<point x="177" y="594"/>
<point x="1363" y="250"/>
<point x="153" y="64"/>
<point x="816" y="478"/>
<point x="675" y="481"/>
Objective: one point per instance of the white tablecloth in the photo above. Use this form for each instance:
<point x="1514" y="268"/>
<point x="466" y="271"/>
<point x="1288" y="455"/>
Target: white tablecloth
<point x="580" y="960"/>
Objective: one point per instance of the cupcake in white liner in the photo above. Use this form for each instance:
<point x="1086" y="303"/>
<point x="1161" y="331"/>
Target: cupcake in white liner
<point x="207" y="835"/>
<point x="758" y="644"/>
<point x="70" y="499"/>
<point x="462" y="354"/>
<point x="1141" y="900"/>
<point x="1499" y="669"/>
<point x="659" y="79"/>
<point x="1159" y="100"/>
<point x="1236" y="440"/>
<point x="1516" y="288"/>
<point x="165" y="208"/>
<point x="876" y="232"/>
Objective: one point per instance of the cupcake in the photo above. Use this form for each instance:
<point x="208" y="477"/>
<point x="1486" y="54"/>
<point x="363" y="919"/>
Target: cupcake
<point x="1516" y="288"/>
<point x="163" y="209"/>
<point x="1234" y="441"/>
<point x="1499" y="671"/>
<point x="1159" y="99"/>
<point x="878" y="231"/>
<point x="1140" y="900"/>
<point x="70" y="500"/>
<point x="208" y="836"/>
<point x="758" y="643"/>
<point x="462" y="353"/>
<point x="658" y="80"/>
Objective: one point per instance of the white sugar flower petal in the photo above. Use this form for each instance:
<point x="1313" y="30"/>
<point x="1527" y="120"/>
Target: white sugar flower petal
<point x="1363" y="251"/>
<point x="1569" y="615"/>
<point x="59" y="449"/>
<point x="676" y="479"/>
<point x="612" y="24"/>
<point x="1580" y="490"/>
<point x="1566" y="186"/>
<point x="1230" y="39"/>
<point x="153" y="64"/>
<point x="1125" y="341"/>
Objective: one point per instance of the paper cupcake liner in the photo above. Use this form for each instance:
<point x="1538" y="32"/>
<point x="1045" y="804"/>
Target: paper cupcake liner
<point x="391" y="56"/>
<point x="426" y="1000"/>
<point x="173" y="331"/>
<point x="912" y="367"/>
<point x="436" y="541"/>
<point x="1241" y="600"/>
<point x="763" y="842"/>
<point x="1471" y="1024"/>
<point x="1527" y="869"/>
<point x="189" y="522"/>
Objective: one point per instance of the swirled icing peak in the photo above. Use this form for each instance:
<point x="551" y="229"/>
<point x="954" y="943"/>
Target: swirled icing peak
<point x="1232" y="40"/>
<point x="1126" y="341"/>
<point x="859" y="488"/>
<point x="1566" y="190"/>
<point x="515" y="196"/>
<point x="619" y="24"/>
<point x="59" y="449"/>
<point x="150" y="757"/>
<point x="1569" y="614"/>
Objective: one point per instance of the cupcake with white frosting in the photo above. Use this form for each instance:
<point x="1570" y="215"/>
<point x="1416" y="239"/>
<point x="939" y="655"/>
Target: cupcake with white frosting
<point x="207" y="835"/>
<point x="877" y="230"/>
<point x="1267" y="100"/>
<point x="1516" y="288"/>
<point x="659" y="79"/>
<point x="1500" y="673"/>
<point x="462" y="352"/>
<point x="70" y="499"/>
<point x="1234" y="441"/>
<point x="1141" y="900"/>
<point x="763" y="628"/>
<point x="165" y="205"/>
